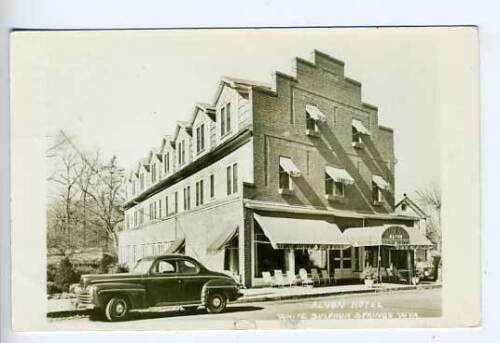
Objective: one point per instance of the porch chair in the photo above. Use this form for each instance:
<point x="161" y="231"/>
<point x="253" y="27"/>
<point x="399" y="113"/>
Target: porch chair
<point x="268" y="279"/>
<point x="291" y="278"/>
<point x="315" y="276"/>
<point x="305" y="278"/>
<point x="278" y="278"/>
<point x="325" y="276"/>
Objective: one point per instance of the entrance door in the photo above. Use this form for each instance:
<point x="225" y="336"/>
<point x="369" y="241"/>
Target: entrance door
<point x="163" y="284"/>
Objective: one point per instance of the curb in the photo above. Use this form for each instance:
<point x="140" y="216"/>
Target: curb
<point x="315" y="295"/>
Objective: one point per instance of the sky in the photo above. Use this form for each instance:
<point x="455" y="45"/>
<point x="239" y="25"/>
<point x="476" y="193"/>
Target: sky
<point x="121" y="91"/>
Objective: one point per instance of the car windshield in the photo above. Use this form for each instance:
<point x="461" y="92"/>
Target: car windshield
<point x="142" y="266"/>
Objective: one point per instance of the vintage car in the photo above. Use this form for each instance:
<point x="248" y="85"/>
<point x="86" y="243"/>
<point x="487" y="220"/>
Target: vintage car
<point x="169" y="280"/>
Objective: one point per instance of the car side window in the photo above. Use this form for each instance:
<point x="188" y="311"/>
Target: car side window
<point x="188" y="267"/>
<point x="165" y="267"/>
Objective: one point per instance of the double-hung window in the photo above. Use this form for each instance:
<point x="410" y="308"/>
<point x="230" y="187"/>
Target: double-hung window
<point x="187" y="198"/>
<point x="333" y="187"/>
<point x="212" y="186"/>
<point x="225" y="119"/>
<point x="199" y="193"/>
<point x="166" y="163"/>
<point x="200" y="138"/>
<point x="232" y="179"/>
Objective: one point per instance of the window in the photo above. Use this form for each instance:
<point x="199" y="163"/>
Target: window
<point x="336" y="258"/>
<point x="199" y="193"/>
<point x="141" y="216"/>
<point x="141" y="181"/>
<point x="187" y="198"/>
<point x="356" y="259"/>
<point x="235" y="177"/>
<point x="166" y="163"/>
<point x="151" y="211"/>
<point x="376" y="193"/>
<point x="153" y="173"/>
<point x="200" y="138"/>
<point x="232" y="179"/>
<point x="188" y="267"/>
<point x="333" y="187"/>
<point x="176" y="203"/>
<point x="403" y="206"/>
<point x="159" y="208"/>
<point x="135" y="218"/>
<point x="212" y="186"/>
<point x="228" y="180"/>
<point x="181" y="153"/>
<point x="166" y="206"/>
<point x="164" y="267"/>
<point x="346" y="258"/>
<point x="356" y="136"/>
<point x="285" y="180"/>
<point x="133" y="187"/>
<point x="310" y="123"/>
<point x="225" y="119"/>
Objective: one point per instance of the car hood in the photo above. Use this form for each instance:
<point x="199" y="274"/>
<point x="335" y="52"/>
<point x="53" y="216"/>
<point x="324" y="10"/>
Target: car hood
<point x="89" y="279"/>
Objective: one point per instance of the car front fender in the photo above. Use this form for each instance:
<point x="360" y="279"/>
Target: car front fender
<point x="134" y="293"/>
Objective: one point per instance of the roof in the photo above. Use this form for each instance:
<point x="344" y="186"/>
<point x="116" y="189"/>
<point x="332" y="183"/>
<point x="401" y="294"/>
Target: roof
<point x="412" y="205"/>
<point x="284" y="232"/>
<point x="182" y="125"/>
<point x="388" y="235"/>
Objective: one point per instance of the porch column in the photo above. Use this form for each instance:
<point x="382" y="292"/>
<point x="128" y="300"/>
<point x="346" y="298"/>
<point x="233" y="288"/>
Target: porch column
<point x="410" y="266"/>
<point x="290" y="260"/>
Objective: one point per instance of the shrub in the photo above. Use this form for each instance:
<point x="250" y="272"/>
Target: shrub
<point x="120" y="268"/>
<point x="52" y="288"/>
<point x="369" y="273"/>
<point x="107" y="262"/>
<point x="51" y="272"/>
<point x="66" y="275"/>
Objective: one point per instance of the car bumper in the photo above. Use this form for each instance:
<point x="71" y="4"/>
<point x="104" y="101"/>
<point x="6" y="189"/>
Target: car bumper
<point x="82" y="306"/>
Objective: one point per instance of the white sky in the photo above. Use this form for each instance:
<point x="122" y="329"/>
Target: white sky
<point x="121" y="91"/>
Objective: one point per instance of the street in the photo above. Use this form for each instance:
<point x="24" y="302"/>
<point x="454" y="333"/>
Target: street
<point x="385" y="305"/>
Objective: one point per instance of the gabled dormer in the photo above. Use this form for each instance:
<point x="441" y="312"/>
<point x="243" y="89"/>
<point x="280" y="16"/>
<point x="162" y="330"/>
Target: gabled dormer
<point x="203" y="123"/>
<point x="142" y="172"/>
<point x="183" y="144"/>
<point x="155" y="159"/>
<point x="168" y="155"/>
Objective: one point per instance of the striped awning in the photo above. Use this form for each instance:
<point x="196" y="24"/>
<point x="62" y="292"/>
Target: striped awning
<point x="223" y="239"/>
<point x="315" y="113"/>
<point x="339" y="175"/>
<point x="358" y="125"/>
<point x="397" y="236"/>
<point x="380" y="182"/>
<point x="176" y="246"/>
<point x="297" y="233"/>
<point x="288" y="165"/>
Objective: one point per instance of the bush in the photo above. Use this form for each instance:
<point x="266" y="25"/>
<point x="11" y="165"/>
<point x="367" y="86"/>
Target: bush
<point x="120" y="268"/>
<point x="107" y="263"/>
<point x="52" y="288"/>
<point x="369" y="273"/>
<point x="66" y="275"/>
<point x="51" y="272"/>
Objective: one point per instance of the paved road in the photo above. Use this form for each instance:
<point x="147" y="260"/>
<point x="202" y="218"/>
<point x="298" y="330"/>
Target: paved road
<point x="382" y="306"/>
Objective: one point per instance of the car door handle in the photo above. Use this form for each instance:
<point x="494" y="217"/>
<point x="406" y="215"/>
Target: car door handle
<point x="179" y="281"/>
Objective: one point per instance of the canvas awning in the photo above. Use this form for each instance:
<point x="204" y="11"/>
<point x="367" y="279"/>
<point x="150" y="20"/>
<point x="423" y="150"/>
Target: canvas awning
<point x="397" y="236"/>
<point x="288" y="165"/>
<point x="315" y="113"/>
<point x="339" y="175"/>
<point x="380" y="182"/>
<point x="358" y="125"/>
<point x="176" y="245"/>
<point x="223" y="239"/>
<point x="295" y="233"/>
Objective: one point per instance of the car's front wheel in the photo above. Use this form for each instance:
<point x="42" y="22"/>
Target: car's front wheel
<point x="216" y="302"/>
<point x="116" y="309"/>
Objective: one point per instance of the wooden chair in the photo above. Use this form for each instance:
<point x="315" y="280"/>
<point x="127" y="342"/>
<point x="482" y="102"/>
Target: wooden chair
<point x="305" y="278"/>
<point x="315" y="276"/>
<point x="325" y="276"/>
<point x="268" y="279"/>
<point x="278" y="278"/>
<point x="291" y="278"/>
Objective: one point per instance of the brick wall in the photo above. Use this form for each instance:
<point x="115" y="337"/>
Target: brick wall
<point x="280" y="130"/>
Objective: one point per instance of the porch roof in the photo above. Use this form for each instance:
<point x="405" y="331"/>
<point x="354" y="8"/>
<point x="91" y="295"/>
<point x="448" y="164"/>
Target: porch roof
<point x="387" y="235"/>
<point x="297" y="233"/>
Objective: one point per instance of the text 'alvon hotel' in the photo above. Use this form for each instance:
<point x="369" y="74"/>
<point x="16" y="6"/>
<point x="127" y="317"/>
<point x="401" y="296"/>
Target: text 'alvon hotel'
<point x="268" y="177"/>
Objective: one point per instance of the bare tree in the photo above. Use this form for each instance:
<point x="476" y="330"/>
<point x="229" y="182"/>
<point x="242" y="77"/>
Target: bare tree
<point x="429" y="198"/>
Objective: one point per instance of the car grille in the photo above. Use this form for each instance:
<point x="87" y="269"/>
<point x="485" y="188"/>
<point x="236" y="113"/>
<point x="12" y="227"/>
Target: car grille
<point x="85" y="298"/>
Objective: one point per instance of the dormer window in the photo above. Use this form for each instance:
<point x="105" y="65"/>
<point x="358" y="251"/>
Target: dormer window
<point x="313" y="116"/>
<point x="166" y="163"/>
<point x="200" y="138"/>
<point x="153" y="173"/>
<point x="141" y="181"/>
<point x="225" y="119"/>
<point x="181" y="153"/>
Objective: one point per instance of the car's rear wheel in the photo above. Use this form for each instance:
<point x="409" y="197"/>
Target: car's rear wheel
<point x="117" y="308"/>
<point x="216" y="302"/>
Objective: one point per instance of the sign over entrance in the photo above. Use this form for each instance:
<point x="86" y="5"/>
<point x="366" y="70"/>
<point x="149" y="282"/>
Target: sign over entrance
<point x="396" y="236"/>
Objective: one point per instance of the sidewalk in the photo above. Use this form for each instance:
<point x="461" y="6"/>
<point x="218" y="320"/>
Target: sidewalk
<point x="57" y="307"/>
<point x="283" y="293"/>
